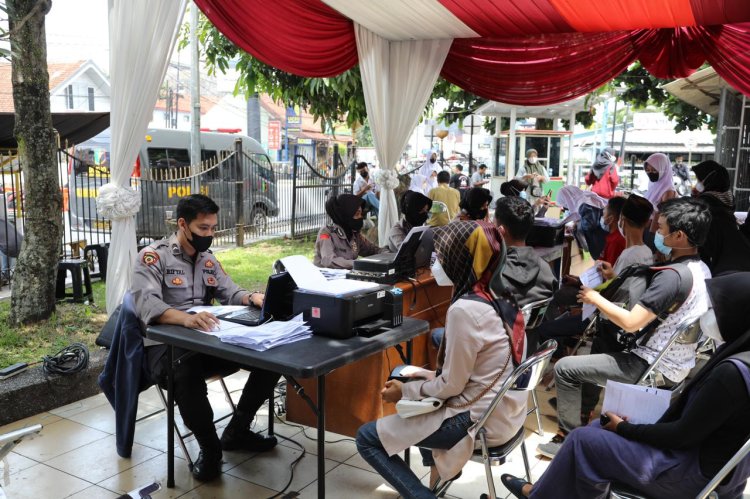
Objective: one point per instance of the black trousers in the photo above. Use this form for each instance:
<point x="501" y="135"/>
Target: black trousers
<point x="191" y="393"/>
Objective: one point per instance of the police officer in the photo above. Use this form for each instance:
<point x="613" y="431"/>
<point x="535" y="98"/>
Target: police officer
<point x="171" y="276"/>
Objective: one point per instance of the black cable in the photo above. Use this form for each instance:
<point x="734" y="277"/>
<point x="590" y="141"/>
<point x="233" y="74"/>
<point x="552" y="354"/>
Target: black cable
<point x="71" y="359"/>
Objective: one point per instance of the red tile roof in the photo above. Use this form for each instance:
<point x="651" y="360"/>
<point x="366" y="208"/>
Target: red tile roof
<point x="58" y="73"/>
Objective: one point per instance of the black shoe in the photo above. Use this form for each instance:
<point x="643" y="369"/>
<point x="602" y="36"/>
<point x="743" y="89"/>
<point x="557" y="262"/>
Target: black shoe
<point x="514" y="485"/>
<point x="207" y="467"/>
<point x="245" y="439"/>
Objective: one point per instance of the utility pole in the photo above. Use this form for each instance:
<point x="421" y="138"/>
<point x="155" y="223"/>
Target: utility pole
<point x="195" y="100"/>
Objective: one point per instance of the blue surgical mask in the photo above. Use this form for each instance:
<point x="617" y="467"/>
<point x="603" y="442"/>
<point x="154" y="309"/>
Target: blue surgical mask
<point x="524" y="195"/>
<point x="659" y="243"/>
<point x="604" y="225"/>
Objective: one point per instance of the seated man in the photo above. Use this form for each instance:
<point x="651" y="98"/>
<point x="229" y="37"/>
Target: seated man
<point x="447" y="196"/>
<point x="171" y="276"/>
<point x="683" y="226"/>
<point x="475" y="204"/>
<point x="364" y="187"/>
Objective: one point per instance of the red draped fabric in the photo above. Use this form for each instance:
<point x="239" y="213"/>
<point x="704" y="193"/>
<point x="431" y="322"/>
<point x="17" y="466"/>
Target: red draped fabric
<point x="304" y="37"/>
<point x="509" y="17"/>
<point x="547" y="69"/>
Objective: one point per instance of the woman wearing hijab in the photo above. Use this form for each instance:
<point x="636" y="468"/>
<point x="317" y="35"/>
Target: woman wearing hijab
<point x="475" y="205"/>
<point x="603" y="177"/>
<point x="477" y="361"/>
<point x="429" y="164"/>
<point x="341" y="242"/>
<point x="418" y="183"/>
<point x="697" y="435"/>
<point x="533" y="172"/>
<point x="660" y="185"/>
<point x="725" y="249"/>
<point x="416" y="210"/>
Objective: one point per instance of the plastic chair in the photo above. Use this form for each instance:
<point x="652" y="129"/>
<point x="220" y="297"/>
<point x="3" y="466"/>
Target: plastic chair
<point x="524" y="378"/>
<point x="533" y="315"/>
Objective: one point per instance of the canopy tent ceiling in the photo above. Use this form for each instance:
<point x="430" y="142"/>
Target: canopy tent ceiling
<point x="702" y="89"/>
<point x="516" y="51"/>
<point x="72" y="127"/>
<point x="561" y="110"/>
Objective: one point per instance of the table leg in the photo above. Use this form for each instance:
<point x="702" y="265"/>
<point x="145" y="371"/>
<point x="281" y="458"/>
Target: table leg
<point x="170" y="417"/>
<point x="409" y="348"/>
<point x="271" y="411"/>
<point x="321" y="437"/>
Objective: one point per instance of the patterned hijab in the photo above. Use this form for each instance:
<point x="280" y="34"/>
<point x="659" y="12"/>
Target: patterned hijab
<point x="471" y="253"/>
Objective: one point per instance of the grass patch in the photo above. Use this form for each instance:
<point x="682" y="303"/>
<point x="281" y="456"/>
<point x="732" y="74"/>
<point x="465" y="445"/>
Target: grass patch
<point x="75" y="322"/>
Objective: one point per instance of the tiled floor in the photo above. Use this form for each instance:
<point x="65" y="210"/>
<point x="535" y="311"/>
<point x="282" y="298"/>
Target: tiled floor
<point x="74" y="456"/>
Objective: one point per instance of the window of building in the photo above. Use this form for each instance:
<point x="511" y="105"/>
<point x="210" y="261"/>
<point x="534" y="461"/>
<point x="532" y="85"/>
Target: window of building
<point x="91" y="98"/>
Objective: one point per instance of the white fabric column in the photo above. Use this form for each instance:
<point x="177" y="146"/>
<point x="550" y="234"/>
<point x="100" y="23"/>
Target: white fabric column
<point x="397" y="78"/>
<point x="142" y="34"/>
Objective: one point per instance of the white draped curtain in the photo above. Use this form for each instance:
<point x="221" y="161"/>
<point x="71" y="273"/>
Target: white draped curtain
<point x="142" y="34"/>
<point x="397" y="78"/>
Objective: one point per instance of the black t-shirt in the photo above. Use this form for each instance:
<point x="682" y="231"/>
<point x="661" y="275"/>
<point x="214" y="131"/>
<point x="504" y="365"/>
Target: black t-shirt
<point x="459" y="181"/>
<point x="714" y="421"/>
<point x="664" y="288"/>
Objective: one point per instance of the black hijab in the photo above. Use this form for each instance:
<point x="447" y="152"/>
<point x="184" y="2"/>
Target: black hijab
<point x="412" y="204"/>
<point x="716" y="183"/>
<point x="729" y="296"/>
<point x="473" y="202"/>
<point x="603" y="161"/>
<point x="342" y="208"/>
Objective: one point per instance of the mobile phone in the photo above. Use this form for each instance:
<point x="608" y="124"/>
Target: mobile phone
<point x="398" y="373"/>
<point x="549" y="193"/>
<point x="604" y="419"/>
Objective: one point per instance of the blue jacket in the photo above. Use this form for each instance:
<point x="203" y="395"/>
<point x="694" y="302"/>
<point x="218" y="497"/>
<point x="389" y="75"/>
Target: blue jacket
<point x="125" y="374"/>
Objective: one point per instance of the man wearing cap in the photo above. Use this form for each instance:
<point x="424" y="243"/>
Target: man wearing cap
<point x="535" y="174"/>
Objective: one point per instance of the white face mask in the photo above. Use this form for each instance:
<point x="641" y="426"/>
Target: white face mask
<point x="441" y="278"/>
<point x="710" y="327"/>
<point x="699" y="186"/>
<point x="532" y="160"/>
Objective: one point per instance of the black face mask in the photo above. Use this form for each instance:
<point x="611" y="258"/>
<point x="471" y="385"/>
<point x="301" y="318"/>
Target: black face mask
<point x="480" y="215"/>
<point x="418" y="219"/>
<point x="432" y="160"/>
<point x="200" y="243"/>
<point x="364" y="174"/>
<point x="356" y="224"/>
<point x="653" y="177"/>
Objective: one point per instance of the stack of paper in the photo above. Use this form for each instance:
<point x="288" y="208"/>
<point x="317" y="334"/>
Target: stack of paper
<point x="591" y="279"/>
<point x="309" y="277"/>
<point x="639" y="404"/>
<point x="334" y="274"/>
<point x="269" y="335"/>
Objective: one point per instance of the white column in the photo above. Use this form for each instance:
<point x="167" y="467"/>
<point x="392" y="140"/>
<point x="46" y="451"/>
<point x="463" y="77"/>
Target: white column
<point x="571" y="168"/>
<point x="510" y="168"/>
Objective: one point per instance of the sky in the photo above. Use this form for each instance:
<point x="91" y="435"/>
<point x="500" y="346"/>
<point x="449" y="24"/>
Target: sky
<point x="78" y="30"/>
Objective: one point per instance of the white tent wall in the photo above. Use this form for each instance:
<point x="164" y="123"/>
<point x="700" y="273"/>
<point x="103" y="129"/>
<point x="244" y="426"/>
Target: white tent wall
<point x="397" y="78"/>
<point x="142" y="34"/>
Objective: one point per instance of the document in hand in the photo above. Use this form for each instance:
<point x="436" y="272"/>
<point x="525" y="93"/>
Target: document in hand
<point x="591" y="279"/>
<point x="309" y="277"/>
<point x="639" y="404"/>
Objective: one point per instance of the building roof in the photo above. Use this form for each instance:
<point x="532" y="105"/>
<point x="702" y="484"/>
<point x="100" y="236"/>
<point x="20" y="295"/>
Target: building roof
<point x="59" y="73"/>
<point x="701" y="89"/>
<point x="184" y="104"/>
<point x="561" y="110"/>
<point x="310" y="127"/>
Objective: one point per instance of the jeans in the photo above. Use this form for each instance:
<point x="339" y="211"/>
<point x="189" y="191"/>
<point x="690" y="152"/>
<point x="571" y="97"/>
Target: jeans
<point x="394" y="469"/>
<point x="372" y="201"/>
<point x="572" y="372"/>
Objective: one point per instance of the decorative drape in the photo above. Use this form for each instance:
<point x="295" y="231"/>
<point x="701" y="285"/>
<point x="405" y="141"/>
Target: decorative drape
<point x="142" y="34"/>
<point x="397" y="79"/>
<point x="546" y="69"/>
<point x="304" y="37"/>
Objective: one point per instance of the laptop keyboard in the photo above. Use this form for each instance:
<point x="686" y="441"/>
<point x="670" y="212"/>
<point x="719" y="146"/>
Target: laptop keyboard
<point x="252" y="314"/>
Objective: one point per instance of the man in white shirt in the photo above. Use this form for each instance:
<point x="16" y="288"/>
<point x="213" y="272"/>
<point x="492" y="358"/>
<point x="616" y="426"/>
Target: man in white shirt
<point x="364" y="187"/>
<point x="477" y="178"/>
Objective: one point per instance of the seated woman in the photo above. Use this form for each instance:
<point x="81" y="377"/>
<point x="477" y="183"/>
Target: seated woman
<point x="517" y="188"/>
<point x="475" y="205"/>
<point x="726" y="249"/>
<point x="693" y="440"/>
<point x="341" y="242"/>
<point x="416" y="210"/>
<point x="477" y="361"/>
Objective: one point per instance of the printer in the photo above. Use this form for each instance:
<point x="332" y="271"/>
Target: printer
<point x="363" y="312"/>
<point x="388" y="268"/>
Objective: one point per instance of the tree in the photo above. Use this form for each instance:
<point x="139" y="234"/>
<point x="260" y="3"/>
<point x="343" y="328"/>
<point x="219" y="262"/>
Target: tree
<point x="33" y="288"/>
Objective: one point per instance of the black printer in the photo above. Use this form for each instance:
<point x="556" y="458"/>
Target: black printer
<point x="345" y="315"/>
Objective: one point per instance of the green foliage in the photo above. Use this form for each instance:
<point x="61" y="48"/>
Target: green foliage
<point x="364" y="135"/>
<point x="642" y="90"/>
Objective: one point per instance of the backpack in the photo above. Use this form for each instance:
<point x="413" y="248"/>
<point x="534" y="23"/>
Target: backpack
<point x="629" y="286"/>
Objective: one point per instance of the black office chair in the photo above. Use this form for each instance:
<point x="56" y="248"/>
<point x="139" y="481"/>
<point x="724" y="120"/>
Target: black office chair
<point x="524" y="378"/>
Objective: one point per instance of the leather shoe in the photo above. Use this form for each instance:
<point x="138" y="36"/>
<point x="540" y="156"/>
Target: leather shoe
<point x="245" y="439"/>
<point x="207" y="467"/>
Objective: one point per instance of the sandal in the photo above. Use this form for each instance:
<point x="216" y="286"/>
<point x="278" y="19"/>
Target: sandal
<point x="514" y="485"/>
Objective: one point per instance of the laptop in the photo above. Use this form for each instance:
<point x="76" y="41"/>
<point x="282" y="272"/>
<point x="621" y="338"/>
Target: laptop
<point x="277" y="303"/>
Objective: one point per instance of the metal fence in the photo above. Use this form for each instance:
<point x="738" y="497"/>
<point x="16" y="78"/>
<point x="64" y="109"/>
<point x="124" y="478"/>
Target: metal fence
<point x="257" y="200"/>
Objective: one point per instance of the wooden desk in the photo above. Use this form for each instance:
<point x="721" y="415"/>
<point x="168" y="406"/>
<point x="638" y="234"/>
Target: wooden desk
<point x="353" y="391"/>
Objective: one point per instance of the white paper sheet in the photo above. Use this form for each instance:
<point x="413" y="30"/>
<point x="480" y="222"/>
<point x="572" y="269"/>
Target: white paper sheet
<point x="309" y="277"/>
<point x="591" y="278"/>
<point x="640" y="404"/>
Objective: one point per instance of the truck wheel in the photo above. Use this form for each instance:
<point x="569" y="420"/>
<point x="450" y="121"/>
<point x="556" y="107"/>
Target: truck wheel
<point x="259" y="220"/>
